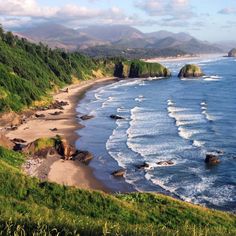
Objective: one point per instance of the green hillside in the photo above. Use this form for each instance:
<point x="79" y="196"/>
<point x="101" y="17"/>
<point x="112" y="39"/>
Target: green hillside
<point x="31" y="207"/>
<point x="28" y="72"/>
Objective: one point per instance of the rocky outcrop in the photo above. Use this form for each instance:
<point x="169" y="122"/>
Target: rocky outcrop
<point x="140" y="69"/>
<point x="66" y="150"/>
<point x="55" y="105"/>
<point x="232" y="53"/>
<point x="84" y="157"/>
<point x="165" y="163"/>
<point x="190" y="71"/>
<point x="56" y="113"/>
<point x="119" y="173"/>
<point x="86" y="117"/>
<point x="116" y="117"/>
<point x="143" y="166"/>
<point x="40" y="115"/>
<point x="212" y="159"/>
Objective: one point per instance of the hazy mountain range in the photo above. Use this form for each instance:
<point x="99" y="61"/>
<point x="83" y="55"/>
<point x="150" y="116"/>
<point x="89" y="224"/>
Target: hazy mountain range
<point x="118" y="37"/>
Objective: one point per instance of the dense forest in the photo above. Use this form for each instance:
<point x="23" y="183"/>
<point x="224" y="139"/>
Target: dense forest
<point x="28" y="72"/>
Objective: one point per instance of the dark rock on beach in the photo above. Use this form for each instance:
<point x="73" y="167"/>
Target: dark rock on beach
<point x="116" y="117"/>
<point x="165" y="163"/>
<point x="19" y="147"/>
<point x="39" y="115"/>
<point x="18" y="140"/>
<point x="143" y="166"/>
<point x="212" y="159"/>
<point x="190" y="71"/>
<point x="86" y="117"/>
<point x="56" y="113"/>
<point x="119" y="173"/>
<point x="54" y="129"/>
<point x="83" y="156"/>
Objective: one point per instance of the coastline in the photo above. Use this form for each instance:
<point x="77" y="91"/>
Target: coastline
<point x="182" y="58"/>
<point x="51" y="168"/>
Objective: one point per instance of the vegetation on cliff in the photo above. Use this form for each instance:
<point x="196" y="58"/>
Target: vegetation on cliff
<point x="31" y="207"/>
<point x="28" y="72"/>
<point x="140" y="69"/>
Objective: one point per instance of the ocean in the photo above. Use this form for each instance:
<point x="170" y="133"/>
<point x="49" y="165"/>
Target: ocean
<point x="167" y="120"/>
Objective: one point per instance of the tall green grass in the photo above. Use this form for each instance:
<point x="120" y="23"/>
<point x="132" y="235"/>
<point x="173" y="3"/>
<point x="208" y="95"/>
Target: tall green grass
<point x="31" y="207"/>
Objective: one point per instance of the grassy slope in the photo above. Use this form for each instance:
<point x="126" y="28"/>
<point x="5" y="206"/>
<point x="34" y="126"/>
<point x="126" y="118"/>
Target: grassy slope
<point x="27" y="205"/>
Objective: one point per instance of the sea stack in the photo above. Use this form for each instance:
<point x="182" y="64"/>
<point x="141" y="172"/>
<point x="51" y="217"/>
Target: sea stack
<point x="190" y="71"/>
<point x="232" y="53"/>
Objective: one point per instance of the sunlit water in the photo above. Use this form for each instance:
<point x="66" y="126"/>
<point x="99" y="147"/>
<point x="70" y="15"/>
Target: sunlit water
<point x="168" y="119"/>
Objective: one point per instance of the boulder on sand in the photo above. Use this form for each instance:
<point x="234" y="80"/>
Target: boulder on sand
<point x="119" y="173"/>
<point x="212" y="159"/>
<point x="86" y="117"/>
<point x="190" y="71"/>
<point x="84" y="157"/>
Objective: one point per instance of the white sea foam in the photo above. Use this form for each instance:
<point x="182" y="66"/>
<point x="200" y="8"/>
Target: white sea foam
<point x="161" y="183"/>
<point x="173" y="109"/>
<point x="198" y="143"/>
<point x="170" y="102"/>
<point x="188" y="133"/>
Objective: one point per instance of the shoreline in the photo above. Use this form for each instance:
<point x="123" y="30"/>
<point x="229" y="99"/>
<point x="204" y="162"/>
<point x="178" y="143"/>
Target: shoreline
<point x="51" y="168"/>
<point x="182" y="58"/>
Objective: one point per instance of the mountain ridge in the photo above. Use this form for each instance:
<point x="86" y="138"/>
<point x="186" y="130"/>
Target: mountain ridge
<point x="115" y="37"/>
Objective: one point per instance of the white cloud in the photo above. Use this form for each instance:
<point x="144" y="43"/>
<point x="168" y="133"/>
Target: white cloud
<point x="176" y="9"/>
<point x="20" y="12"/>
<point x="228" y="11"/>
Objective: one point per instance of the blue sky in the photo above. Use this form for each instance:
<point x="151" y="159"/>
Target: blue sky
<point x="211" y="20"/>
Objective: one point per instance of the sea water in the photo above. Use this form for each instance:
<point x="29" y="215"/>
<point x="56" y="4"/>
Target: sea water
<point x="167" y="119"/>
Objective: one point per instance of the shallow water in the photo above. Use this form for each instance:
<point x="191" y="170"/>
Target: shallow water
<point x="168" y="119"/>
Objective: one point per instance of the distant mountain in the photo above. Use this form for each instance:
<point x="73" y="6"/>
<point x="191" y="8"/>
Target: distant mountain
<point x="162" y="34"/>
<point x="56" y="35"/>
<point x="226" y="45"/>
<point x="118" y="37"/>
<point x="112" y="33"/>
<point x="165" y="43"/>
<point x="195" y="46"/>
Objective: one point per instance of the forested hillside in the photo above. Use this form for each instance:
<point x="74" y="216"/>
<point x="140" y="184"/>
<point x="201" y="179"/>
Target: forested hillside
<point x="28" y="72"/>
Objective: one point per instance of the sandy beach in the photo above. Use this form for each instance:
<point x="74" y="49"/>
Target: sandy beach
<point x="54" y="169"/>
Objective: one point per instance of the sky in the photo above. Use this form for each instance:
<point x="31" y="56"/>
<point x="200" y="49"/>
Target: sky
<point x="212" y="20"/>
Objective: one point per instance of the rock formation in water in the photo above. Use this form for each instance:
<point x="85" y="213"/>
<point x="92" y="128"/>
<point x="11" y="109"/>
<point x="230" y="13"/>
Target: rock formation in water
<point x="190" y="71"/>
<point x="140" y="69"/>
<point x="232" y="53"/>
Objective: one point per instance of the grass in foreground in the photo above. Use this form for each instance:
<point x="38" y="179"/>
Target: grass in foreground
<point x="31" y="207"/>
